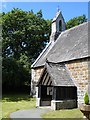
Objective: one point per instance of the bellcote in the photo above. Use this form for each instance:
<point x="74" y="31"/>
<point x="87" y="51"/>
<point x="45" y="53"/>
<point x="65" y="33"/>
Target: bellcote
<point x="58" y="25"/>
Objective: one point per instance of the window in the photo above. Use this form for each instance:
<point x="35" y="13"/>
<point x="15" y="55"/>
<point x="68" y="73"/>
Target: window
<point x="49" y="90"/>
<point x="60" y="25"/>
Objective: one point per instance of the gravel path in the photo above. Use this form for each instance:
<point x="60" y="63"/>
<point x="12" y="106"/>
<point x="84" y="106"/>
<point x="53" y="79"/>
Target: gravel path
<point x="32" y="113"/>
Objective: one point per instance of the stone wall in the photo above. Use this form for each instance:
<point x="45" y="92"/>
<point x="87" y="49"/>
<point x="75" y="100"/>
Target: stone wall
<point x="63" y="104"/>
<point x="78" y="71"/>
<point x="35" y="75"/>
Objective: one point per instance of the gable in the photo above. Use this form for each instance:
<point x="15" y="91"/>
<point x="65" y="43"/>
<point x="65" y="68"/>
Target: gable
<point x="45" y="78"/>
<point x="56" y="75"/>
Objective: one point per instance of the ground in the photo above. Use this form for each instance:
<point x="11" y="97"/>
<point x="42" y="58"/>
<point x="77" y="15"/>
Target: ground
<point x="0" y="109"/>
<point x="69" y="113"/>
<point x="12" y="103"/>
<point x="25" y="104"/>
<point x="32" y="113"/>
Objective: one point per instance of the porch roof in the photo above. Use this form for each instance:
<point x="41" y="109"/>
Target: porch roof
<point x="57" y="74"/>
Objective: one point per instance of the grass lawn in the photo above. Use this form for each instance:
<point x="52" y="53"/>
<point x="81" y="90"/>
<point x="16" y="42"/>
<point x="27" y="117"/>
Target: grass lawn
<point x="11" y="103"/>
<point x="70" y="113"/>
<point x="0" y="109"/>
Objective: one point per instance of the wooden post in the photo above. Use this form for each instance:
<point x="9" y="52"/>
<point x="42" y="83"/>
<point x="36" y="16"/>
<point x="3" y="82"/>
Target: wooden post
<point x="38" y="96"/>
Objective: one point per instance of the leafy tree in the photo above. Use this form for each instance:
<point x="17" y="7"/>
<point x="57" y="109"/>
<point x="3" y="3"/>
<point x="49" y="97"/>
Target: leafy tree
<point x="24" y="34"/>
<point x="14" y="73"/>
<point x="39" y="14"/>
<point x="76" y="21"/>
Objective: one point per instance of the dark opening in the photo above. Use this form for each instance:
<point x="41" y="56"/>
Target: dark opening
<point x="65" y="93"/>
<point x="60" y="25"/>
<point x="45" y="92"/>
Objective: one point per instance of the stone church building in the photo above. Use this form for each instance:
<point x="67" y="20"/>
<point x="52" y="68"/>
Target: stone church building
<point x="60" y="73"/>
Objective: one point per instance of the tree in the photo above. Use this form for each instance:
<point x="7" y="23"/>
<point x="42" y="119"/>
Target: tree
<point x="76" y="21"/>
<point x="24" y="31"/>
<point x="24" y="34"/>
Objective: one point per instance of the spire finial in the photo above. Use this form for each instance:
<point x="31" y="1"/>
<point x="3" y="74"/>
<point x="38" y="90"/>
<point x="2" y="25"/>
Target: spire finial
<point x="58" y="8"/>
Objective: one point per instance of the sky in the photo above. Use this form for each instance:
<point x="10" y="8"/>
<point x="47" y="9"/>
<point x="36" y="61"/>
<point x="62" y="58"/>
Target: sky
<point x="49" y="9"/>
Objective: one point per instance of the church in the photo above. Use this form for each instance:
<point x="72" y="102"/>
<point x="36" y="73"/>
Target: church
<point x="60" y="73"/>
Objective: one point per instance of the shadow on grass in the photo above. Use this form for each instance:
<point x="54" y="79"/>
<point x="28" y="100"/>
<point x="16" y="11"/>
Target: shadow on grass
<point x="16" y="97"/>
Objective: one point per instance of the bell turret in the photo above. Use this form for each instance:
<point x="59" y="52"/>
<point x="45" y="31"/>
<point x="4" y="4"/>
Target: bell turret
<point x="58" y="25"/>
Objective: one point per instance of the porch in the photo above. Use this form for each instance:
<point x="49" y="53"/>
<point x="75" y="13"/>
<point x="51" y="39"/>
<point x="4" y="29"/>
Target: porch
<point x="56" y="90"/>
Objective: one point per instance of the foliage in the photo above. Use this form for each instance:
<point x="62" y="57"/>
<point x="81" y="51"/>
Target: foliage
<point x="76" y="21"/>
<point x="13" y="72"/>
<point x="24" y="32"/>
<point x="24" y="35"/>
<point x="86" y="98"/>
<point x="13" y="102"/>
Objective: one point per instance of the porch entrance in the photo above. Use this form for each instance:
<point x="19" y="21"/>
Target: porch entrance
<point x="45" y="93"/>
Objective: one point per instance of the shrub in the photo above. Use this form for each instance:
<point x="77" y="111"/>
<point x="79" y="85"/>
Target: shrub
<point x="86" y="98"/>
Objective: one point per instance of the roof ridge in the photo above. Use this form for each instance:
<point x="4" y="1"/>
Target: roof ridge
<point x="74" y="27"/>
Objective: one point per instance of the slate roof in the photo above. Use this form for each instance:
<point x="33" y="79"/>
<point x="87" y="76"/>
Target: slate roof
<point x="71" y="44"/>
<point x="40" y="61"/>
<point x="58" y="74"/>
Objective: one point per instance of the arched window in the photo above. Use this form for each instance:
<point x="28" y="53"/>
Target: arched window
<point x="60" y="25"/>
